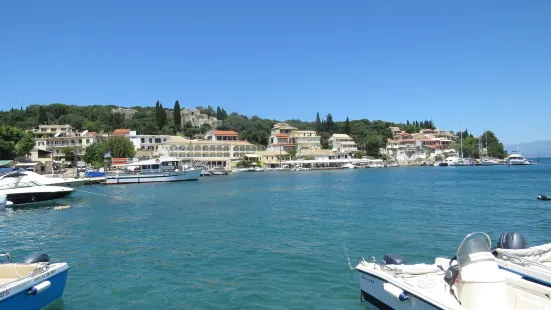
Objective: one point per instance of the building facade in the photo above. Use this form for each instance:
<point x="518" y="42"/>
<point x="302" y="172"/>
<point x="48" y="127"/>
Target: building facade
<point x="222" y="135"/>
<point x="305" y="139"/>
<point x="208" y="152"/>
<point x="54" y="138"/>
<point x="342" y="143"/>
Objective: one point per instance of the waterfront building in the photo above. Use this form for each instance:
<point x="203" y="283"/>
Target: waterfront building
<point x="279" y="138"/>
<point x="222" y="135"/>
<point x="149" y="143"/>
<point x="343" y="144"/>
<point x="317" y="154"/>
<point x="54" y="138"/>
<point x="270" y="159"/>
<point x="305" y="139"/>
<point x="209" y="153"/>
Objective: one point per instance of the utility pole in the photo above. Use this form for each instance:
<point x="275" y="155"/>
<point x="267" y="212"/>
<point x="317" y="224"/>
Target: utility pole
<point x="75" y="158"/>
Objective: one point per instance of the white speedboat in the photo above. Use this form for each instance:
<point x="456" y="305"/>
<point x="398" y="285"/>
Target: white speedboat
<point x="20" y="191"/>
<point x="348" y="166"/>
<point x="489" y="162"/>
<point x="517" y="159"/>
<point x="54" y="181"/>
<point x="472" y="280"/>
<point x="153" y="170"/>
<point x="259" y="169"/>
<point x="32" y="284"/>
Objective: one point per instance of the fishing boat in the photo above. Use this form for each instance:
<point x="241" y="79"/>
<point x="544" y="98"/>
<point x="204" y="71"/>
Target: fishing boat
<point x="32" y="284"/>
<point x="153" y="170"/>
<point x="22" y="191"/>
<point x="471" y="280"/>
<point x="489" y="162"/>
<point x="206" y="173"/>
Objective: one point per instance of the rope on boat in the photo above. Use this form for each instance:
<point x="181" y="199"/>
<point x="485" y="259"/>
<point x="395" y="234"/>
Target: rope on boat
<point x="348" y="257"/>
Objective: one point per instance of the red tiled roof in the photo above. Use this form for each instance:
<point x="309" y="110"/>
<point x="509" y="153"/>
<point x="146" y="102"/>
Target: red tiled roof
<point x="282" y="135"/>
<point x="226" y="133"/>
<point x="121" y="131"/>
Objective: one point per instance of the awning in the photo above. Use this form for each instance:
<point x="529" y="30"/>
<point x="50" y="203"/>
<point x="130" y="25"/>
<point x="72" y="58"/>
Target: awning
<point x="26" y="164"/>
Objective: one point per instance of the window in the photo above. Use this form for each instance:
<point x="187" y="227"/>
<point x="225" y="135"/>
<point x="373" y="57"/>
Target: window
<point x="143" y="140"/>
<point x="150" y="140"/>
<point x="157" y="140"/>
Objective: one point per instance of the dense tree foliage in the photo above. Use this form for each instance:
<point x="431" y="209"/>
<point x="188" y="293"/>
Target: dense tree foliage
<point x="369" y="135"/>
<point x="69" y="153"/>
<point x="14" y="142"/>
<point x="472" y="145"/>
<point x="118" y="147"/>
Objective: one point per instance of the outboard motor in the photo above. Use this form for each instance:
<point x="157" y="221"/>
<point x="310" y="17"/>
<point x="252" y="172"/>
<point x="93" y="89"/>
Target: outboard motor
<point x="394" y="259"/>
<point x="34" y="258"/>
<point x="480" y="284"/>
<point x="512" y="241"/>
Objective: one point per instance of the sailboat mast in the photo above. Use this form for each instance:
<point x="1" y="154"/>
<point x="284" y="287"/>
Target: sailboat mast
<point x="461" y="135"/>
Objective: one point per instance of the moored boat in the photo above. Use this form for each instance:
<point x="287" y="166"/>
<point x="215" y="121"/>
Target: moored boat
<point x="153" y="170"/>
<point x="471" y="280"/>
<point x="516" y="159"/>
<point x="20" y="191"/>
<point x="32" y="284"/>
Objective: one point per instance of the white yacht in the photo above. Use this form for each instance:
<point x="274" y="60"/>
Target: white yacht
<point x="471" y="280"/>
<point x="348" y="166"/>
<point x="20" y="190"/>
<point x="153" y="170"/>
<point x="517" y="159"/>
<point x="51" y="180"/>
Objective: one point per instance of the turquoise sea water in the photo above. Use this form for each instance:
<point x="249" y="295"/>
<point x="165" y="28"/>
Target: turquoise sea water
<point x="272" y="240"/>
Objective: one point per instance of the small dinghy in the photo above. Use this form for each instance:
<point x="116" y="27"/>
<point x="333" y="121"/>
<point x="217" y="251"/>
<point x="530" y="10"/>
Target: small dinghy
<point x="32" y="284"/>
<point x="472" y="280"/>
<point x="543" y="197"/>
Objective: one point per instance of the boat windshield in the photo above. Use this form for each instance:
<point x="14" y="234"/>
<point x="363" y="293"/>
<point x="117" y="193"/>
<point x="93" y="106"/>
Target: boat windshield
<point x="474" y="248"/>
<point x="8" y="183"/>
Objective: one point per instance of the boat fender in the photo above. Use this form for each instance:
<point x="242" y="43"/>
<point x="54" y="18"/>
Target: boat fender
<point x="511" y="240"/>
<point x="395" y="291"/>
<point x="3" y="200"/>
<point x="394" y="259"/>
<point x="39" y="288"/>
<point x="39" y="257"/>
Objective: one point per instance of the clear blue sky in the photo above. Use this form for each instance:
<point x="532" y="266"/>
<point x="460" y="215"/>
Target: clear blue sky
<point x="484" y="63"/>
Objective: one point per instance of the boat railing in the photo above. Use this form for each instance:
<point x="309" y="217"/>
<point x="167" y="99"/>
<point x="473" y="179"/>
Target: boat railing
<point x="523" y="261"/>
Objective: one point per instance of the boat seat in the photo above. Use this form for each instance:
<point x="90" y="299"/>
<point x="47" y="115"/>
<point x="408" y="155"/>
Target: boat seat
<point x="10" y="271"/>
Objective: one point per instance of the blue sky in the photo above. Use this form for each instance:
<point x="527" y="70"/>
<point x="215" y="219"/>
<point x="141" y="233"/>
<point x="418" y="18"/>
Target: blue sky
<point x="484" y="63"/>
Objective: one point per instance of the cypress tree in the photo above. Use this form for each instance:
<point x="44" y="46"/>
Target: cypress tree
<point x="177" y="116"/>
<point x="157" y="114"/>
<point x="347" y="126"/>
<point x="318" y="123"/>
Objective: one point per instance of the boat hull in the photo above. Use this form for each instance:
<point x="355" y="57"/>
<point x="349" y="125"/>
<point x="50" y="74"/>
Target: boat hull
<point x="26" y="198"/>
<point x="187" y="175"/>
<point x="373" y="293"/>
<point x="519" y="162"/>
<point x="18" y="297"/>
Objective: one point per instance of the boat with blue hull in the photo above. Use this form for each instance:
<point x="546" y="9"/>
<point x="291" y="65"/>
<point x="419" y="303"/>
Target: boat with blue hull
<point x="32" y="284"/>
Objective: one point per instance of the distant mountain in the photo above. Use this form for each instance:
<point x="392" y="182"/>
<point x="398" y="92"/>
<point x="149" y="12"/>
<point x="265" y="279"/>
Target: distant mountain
<point x="533" y="149"/>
